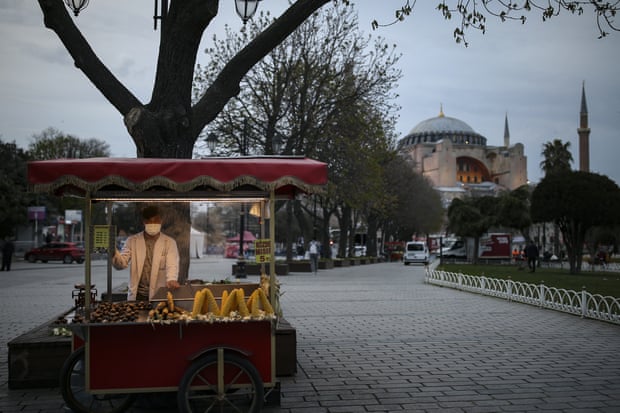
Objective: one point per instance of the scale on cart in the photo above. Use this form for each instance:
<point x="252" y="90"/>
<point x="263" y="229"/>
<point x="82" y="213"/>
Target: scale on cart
<point x="213" y="365"/>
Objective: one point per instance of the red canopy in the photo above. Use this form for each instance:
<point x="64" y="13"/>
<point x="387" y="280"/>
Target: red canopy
<point x="284" y="175"/>
<point x="247" y="237"/>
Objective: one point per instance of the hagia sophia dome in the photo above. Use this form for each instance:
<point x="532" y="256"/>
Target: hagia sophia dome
<point x="442" y="127"/>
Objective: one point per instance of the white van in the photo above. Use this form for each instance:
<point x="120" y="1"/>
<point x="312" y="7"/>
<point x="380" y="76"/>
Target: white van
<point x="416" y="252"/>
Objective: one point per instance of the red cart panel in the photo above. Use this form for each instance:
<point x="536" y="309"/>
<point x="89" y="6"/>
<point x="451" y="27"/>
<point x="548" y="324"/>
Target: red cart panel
<point x="145" y="357"/>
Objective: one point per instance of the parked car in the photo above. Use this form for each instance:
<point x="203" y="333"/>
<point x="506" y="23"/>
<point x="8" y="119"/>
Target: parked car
<point x="359" y="251"/>
<point x="416" y="252"/>
<point x="66" y="252"/>
<point x="457" y="249"/>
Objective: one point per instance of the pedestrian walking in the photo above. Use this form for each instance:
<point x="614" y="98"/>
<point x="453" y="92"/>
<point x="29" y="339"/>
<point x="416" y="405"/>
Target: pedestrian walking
<point x="314" y="255"/>
<point x="531" y="253"/>
<point x="7" y="254"/>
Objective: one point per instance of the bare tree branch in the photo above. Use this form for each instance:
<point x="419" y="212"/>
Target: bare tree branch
<point x="226" y="85"/>
<point x="473" y="13"/>
<point x="57" y="19"/>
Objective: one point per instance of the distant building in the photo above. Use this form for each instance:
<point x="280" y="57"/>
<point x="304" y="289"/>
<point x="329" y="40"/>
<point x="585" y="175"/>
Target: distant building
<point x="457" y="160"/>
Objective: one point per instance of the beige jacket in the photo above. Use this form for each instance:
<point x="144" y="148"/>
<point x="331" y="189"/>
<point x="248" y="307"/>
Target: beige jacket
<point x="165" y="262"/>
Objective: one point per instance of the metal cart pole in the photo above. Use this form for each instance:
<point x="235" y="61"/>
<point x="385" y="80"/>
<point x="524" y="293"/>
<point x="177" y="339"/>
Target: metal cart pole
<point x="87" y="261"/>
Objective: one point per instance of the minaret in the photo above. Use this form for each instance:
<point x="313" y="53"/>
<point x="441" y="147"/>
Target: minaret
<point x="584" y="133"/>
<point x="506" y="132"/>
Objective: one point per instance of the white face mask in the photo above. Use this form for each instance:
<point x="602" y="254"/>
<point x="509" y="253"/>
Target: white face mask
<point x="152" y="229"/>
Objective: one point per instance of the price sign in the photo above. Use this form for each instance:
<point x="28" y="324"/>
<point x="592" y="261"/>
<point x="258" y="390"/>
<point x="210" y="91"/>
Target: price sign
<point x="262" y="249"/>
<point x="101" y="236"/>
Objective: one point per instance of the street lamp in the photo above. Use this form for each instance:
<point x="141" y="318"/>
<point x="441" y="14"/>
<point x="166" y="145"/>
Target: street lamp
<point x="211" y="142"/>
<point x="246" y="9"/>
<point x="241" y="257"/>
<point x="76" y="5"/>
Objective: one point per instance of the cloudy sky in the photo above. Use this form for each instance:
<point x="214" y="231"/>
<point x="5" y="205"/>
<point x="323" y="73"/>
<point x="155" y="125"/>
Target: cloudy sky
<point x="532" y="72"/>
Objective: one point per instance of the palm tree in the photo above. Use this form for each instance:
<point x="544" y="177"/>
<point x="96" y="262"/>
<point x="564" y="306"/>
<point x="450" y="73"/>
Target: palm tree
<point x="557" y="157"/>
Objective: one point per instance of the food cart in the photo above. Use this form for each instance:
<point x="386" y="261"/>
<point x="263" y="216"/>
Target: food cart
<point x="213" y="360"/>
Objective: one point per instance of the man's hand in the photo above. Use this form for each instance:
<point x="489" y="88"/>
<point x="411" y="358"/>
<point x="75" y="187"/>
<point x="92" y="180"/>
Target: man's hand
<point x="173" y="284"/>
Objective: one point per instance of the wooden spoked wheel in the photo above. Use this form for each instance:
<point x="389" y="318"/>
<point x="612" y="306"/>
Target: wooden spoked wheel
<point x="78" y="399"/>
<point x="223" y="383"/>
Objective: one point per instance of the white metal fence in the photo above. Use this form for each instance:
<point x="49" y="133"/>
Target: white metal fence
<point x="581" y="303"/>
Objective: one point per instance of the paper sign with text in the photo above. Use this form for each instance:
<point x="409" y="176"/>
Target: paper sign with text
<point x="262" y="249"/>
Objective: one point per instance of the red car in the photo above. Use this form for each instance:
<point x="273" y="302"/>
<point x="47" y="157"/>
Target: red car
<point x="66" y="252"/>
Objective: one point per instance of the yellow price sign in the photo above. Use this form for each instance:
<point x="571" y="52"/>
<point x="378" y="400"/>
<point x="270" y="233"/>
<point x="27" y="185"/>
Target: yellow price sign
<point x="101" y="236"/>
<point x="262" y="249"/>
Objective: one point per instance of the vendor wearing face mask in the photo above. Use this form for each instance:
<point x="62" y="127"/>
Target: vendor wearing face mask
<point x="153" y="257"/>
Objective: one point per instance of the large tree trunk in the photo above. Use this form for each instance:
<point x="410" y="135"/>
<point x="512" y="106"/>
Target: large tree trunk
<point x="574" y="237"/>
<point x="160" y="135"/>
<point x="474" y="259"/>
<point x="371" y="236"/>
<point x="326" y="237"/>
<point x="345" y="229"/>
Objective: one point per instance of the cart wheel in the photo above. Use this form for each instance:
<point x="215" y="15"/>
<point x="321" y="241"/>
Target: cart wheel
<point x="239" y="390"/>
<point x="73" y="389"/>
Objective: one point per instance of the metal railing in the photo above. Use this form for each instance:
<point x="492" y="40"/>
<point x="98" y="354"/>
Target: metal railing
<point x="581" y="303"/>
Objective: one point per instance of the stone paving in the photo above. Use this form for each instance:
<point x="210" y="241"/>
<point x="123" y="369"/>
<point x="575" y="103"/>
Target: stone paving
<point x="376" y="338"/>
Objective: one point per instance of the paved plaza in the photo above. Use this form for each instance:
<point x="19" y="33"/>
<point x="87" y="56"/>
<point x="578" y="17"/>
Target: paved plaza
<point x="376" y="338"/>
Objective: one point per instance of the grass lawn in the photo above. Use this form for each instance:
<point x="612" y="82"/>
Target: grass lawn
<point x="595" y="282"/>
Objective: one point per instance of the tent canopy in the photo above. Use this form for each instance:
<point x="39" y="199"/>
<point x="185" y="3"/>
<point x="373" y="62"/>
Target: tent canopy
<point x="247" y="237"/>
<point x="149" y="177"/>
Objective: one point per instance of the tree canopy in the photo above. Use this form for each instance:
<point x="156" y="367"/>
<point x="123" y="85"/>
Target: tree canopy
<point x="327" y="93"/>
<point x="514" y="210"/>
<point x="54" y="144"/>
<point x="14" y="199"/>
<point x="304" y="88"/>
<point x="473" y="217"/>
<point x="414" y="205"/>
<point x="576" y="201"/>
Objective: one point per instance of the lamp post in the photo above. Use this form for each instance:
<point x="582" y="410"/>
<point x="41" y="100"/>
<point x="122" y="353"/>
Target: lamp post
<point x="241" y="257"/>
<point x="211" y="143"/>
<point x="76" y="6"/>
<point x="246" y="9"/>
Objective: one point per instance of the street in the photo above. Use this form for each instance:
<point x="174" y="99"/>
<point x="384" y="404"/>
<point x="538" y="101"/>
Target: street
<point x="377" y="338"/>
